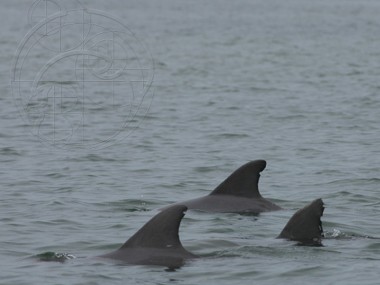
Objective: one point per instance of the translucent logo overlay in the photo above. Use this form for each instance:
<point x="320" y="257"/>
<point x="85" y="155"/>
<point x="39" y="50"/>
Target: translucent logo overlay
<point x="80" y="78"/>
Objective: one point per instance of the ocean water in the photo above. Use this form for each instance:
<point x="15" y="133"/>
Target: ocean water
<point x="160" y="103"/>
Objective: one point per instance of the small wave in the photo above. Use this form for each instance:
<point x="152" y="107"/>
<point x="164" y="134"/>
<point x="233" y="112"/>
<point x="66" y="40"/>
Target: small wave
<point x="55" y="82"/>
<point x="130" y="205"/>
<point x="202" y="169"/>
<point x="338" y="234"/>
<point x="355" y="181"/>
<point x="54" y="256"/>
<point x="9" y="151"/>
<point x="230" y="135"/>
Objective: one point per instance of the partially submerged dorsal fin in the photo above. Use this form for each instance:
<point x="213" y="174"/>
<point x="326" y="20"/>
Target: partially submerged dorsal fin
<point x="243" y="181"/>
<point x="161" y="231"/>
<point x="305" y="225"/>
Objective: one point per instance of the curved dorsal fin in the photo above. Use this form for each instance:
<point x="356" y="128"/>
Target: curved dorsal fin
<point x="161" y="231"/>
<point x="243" y="181"/>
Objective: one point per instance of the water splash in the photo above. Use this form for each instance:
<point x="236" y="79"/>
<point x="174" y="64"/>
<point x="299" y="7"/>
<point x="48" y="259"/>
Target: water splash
<point x="54" y="256"/>
<point x="338" y="234"/>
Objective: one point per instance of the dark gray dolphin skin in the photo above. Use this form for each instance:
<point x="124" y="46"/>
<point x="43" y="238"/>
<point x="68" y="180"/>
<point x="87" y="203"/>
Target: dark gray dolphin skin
<point x="305" y="225"/>
<point x="156" y="243"/>
<point x="239" y="193"/>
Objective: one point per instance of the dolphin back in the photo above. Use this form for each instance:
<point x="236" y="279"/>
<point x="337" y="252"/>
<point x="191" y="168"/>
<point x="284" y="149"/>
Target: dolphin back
<point x="161" y="231"/>
<point x="156" y="243"/>
<point x="243" y="182"/>
<point x="305" y="225"/>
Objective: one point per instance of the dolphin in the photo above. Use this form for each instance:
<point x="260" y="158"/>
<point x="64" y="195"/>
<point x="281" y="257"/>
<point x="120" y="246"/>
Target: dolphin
<point x="305" y="225"/>
<point x="239" y="193"/>
<point x="156" y="243"/>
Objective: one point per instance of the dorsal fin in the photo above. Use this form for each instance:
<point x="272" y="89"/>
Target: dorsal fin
<point x="305" y="225"/>
<point x="243" y="181"/>
<point x="161" y="231"/>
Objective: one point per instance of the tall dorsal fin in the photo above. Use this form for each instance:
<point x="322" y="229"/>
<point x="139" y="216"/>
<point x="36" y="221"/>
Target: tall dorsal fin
<point x="305" y="225"/>
<point x="243" y="181"/>
<point x="161" y="231"/>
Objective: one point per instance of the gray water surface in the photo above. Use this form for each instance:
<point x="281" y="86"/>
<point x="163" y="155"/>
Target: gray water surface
<point x="293" y="82"/>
